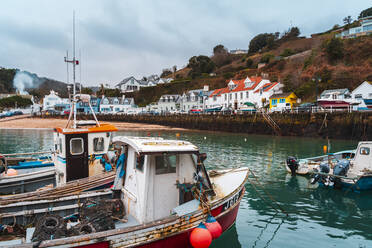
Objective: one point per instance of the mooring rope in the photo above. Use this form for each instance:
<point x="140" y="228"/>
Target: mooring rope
<point x="267" y="193"/>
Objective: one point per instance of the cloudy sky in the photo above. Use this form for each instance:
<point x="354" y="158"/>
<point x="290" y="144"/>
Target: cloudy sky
<point x="117" y="39"/>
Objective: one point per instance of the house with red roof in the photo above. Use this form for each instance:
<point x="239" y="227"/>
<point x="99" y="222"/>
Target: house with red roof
<point x="256" y="90"/>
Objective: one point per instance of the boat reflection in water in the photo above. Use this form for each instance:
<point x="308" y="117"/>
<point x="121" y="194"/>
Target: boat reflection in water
<point x="228" y="239"/>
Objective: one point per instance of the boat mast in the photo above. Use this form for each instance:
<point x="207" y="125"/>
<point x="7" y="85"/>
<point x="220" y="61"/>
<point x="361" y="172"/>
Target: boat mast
<point x="74" y="63"/>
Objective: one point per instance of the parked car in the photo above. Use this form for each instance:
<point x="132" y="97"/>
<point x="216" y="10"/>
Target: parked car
<point x="8" y="114"/>
<point x="306" y="107"/>
<point x="52" y="112"/>
<point x="66" y="112"/>
<point x="17" y="112"/>
<point x="195" y="111"/>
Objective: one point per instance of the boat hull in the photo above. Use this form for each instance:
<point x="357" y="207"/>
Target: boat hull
<point x="182" y="239"/>
<point x="28" y="182"/>
<point x="172" y="231"/>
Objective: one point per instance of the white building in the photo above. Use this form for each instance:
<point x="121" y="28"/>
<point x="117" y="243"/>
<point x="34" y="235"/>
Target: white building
<point x="169" y="103"/>
<point x="115" y="105"/>
<point x="194" y="99"/>
<point x="255" y="90"/>
<point x="51" y="100"/>
<point x="130" y="84"/>
<point x="363" y="95"/>
<point x="365" y="28"/>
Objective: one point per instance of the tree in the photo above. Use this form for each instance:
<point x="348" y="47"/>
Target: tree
<point x="365" y="13"/>
<point x="219" y="49"/>
<point x="87" y="90"/>
<point x="166" y="72"/>
<point x="347" y="20"/>
<point x="200" y="64"/>
<point x="259" y="42"/>
<point x="334" y="49"/>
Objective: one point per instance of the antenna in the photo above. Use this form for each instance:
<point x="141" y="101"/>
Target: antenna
<point x="74" y="63"/>
<point x="80" y="69"/>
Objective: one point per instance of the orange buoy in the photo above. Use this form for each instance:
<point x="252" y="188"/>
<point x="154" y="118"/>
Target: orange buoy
<point x="177" y="135"/>
<point x="11" y="172"/>
<point x="213" y="227"/>
<point x="148" y="134"/>
<point x="325" y="149"/>
<point x="200" y="237"/>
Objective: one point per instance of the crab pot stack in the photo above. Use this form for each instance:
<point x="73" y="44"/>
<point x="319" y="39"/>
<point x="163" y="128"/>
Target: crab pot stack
<point x="200" y="237"/>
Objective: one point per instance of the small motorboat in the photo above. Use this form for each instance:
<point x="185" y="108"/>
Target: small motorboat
<point x="162" y="192"/>
<point x="306" y="166"/>
<point x="355" y="175"/>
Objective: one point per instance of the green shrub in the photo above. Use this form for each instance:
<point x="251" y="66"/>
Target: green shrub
<point x="266" y="58"/>
<point x="249" y="63"/>
<point x="287" y="52"/>
<point x="334" y="49"/>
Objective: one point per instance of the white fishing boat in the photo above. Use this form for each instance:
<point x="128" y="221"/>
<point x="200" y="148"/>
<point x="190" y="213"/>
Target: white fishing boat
<point x="165" y="193"/>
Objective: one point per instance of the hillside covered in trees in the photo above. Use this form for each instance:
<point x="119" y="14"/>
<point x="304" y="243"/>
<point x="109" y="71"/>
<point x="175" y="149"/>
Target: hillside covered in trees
<point x="34" y="85"/>
<point x="287" y="57"/>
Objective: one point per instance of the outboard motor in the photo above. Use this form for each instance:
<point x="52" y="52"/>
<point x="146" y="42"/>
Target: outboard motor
<point x="323" y="168"/>
<point x="340" y="169"/>
<point x="292" y="164"/>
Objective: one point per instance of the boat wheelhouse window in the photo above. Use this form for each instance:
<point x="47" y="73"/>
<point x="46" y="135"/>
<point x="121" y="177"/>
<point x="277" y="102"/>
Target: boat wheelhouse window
<point x="364" y="150"/>
<point x="98" y="144"/>
<point x="165" y="164"/>
<point x="140" y="162"/>
<point x="76" y="146"/>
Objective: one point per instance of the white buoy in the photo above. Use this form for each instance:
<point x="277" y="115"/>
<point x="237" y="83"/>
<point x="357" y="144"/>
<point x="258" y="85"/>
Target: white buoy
<point x="205" y="137"/>
<point x="245" y="139"/>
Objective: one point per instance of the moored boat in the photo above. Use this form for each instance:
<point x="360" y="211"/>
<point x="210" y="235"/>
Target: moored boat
<point x="355" y="175"/>
<point x="306" y="166"/>
<point x="166" y="192"/>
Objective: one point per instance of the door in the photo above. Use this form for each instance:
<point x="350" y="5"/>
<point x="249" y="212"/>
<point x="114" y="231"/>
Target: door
<point x="76" y="156"/>
<point x="166" y="193"/>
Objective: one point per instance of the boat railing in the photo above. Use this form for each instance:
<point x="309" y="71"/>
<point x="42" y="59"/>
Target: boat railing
<point x="25" y="153"/>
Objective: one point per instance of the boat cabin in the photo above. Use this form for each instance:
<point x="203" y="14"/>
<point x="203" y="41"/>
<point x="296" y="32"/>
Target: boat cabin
<point x="78" y="151"/>
<point x="363" y="159"/>
<point x="159" y="176"/>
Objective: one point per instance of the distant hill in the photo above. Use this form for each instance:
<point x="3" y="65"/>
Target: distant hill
<point x="12" y="80"/>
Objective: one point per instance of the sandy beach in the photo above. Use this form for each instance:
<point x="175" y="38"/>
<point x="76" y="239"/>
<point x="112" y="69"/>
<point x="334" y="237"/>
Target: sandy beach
<point x="40" y="123"/>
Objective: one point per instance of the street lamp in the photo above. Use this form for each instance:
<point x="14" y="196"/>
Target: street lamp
<point x="316" y="80"/>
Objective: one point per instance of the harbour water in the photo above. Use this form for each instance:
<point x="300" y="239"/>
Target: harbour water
<point x="317" y="217"/>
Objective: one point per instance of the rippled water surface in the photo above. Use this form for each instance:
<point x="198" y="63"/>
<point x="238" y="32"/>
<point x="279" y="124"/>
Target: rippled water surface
<point x="318" y="217"/>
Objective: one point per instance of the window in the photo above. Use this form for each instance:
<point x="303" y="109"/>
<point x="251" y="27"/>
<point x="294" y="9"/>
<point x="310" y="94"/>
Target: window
<point x="282" y="100"/>
<point x="274" y="101"/>
<point x="60" y="145"/>
<point x="241" y="95"/>
<point x="225" y="97"/>
<point x="364" y="151"/>
<point x="246" y="94"/>
<point x="76" y="146"/>
<point x="98" y="144"/>
<point x="214" y="98"/>
<point x="236" y="96"/>
<point x="165" y="164"/>
<point x="140" y="162"/>
<point x="358" y="96"/>
<point x="370" y="95"/>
